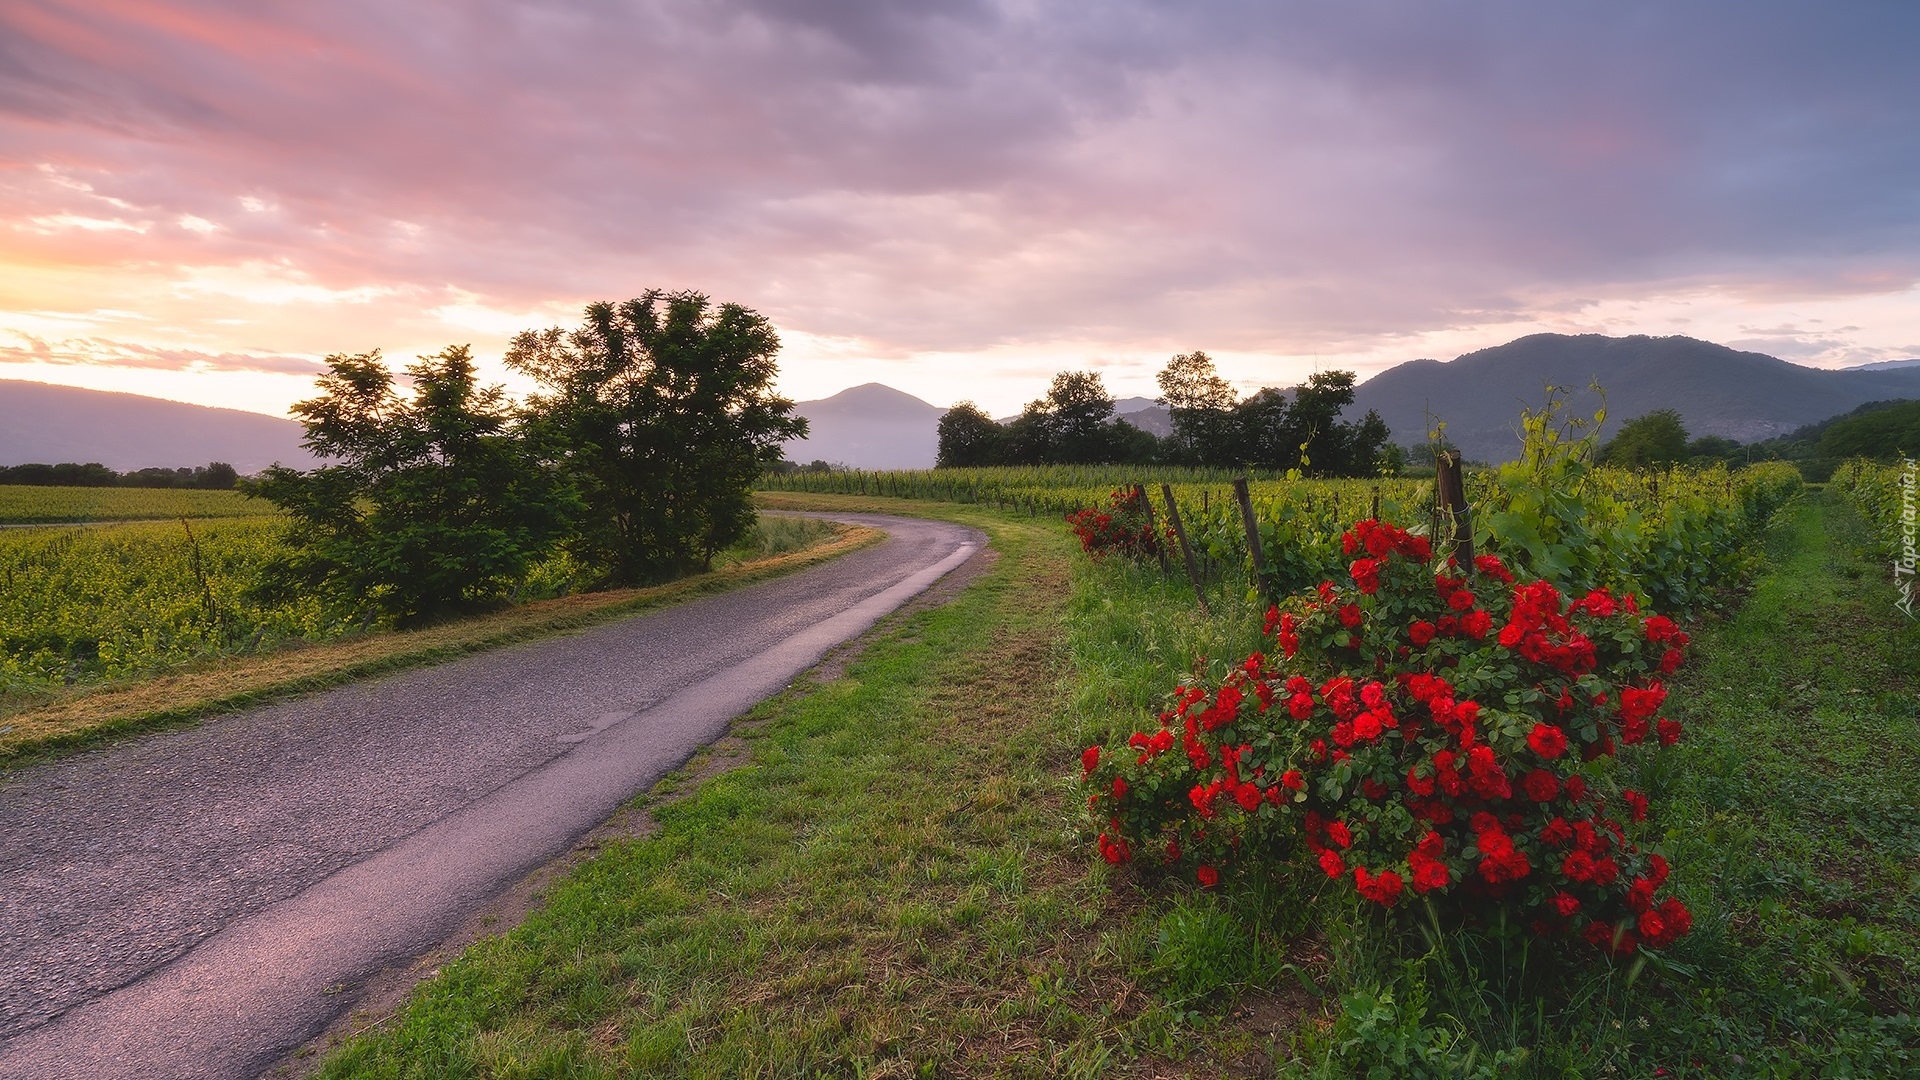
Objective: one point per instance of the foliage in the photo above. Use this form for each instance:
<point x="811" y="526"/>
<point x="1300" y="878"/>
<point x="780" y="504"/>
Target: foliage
<point x="1427" y="736"/>
<point x="432" y="506"/>
<point x="1212" y="427"/>
<point x="969" y="438"/>
<point x="660" y="411"/>
<point x="1201" y="406"/>
<point x="214" y="476"/>
<point x="1125" y="528"/>
<point x="1658" y="438"/>
<point x="81" y="604"/>
<point x="1671" y="536"/>
<point x="1883" y="435"/>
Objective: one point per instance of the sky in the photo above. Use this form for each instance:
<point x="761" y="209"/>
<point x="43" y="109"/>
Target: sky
<point x="958" y="198"/>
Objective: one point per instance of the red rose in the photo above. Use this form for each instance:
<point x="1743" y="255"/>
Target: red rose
<point x="1547" y="741"/>
<point x="1669" y="731"/>
<point x="1331" y="863"/>
<point x="1090" y="759"/>
<point x="1420" y="633"/>
<point x="1208" y="876"/>
<point x="1541" y="785"/>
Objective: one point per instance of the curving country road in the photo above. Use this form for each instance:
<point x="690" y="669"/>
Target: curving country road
<point x="183" y="904"/>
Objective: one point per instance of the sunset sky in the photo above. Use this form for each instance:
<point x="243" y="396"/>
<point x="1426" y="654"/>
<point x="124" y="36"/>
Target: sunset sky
<point x="199" y="201"/>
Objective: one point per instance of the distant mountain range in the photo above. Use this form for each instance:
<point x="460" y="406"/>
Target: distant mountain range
<point x="1717" y="391"/>
<point x="124" y="432"/>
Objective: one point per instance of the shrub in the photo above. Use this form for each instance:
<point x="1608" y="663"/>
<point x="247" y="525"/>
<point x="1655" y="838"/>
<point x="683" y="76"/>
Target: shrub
<point x="1124" y="528"/>
<point x="1422" y="731"/>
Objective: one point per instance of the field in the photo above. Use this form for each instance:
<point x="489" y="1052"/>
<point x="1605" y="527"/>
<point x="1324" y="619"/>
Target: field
<point x="878" y="882"/>
<point x="28" y="505"/>
<point x="87" y="608"/>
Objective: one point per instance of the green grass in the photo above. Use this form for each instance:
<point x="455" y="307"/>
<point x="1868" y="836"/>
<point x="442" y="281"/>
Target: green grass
<point x="884" y="887"/>
<point x="897" y="881"/>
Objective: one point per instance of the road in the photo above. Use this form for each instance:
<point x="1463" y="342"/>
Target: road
<point x="189" y="903"/>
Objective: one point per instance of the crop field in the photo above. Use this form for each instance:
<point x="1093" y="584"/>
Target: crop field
<point x="30" y="505"/>
<point x="1669" y="534"/>
<point x="107" y="601"/>
<point x="85" y="603"/>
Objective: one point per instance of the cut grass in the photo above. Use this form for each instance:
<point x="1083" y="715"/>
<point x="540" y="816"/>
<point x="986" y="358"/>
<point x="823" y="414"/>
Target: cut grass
<point x="32" y="726"/>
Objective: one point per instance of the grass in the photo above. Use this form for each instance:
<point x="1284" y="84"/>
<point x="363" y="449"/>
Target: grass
<point x="1792" y="818"/>
<point x="892" y="883"/>
<point x="896" y="881"/>
<point x="34" y="723"/>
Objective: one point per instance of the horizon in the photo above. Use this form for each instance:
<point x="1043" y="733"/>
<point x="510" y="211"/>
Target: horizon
<point x="1038" y="392"/>
<point x="955" y="200"/>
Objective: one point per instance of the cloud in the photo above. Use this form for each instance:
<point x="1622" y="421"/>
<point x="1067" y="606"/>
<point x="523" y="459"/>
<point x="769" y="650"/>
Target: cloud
<point x="102" y="352"/>
<point x="965" y="175"/>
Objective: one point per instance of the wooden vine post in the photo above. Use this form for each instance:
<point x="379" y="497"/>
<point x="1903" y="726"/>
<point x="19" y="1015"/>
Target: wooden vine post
<point x="1253" y="530"/>
<point x="1153" y="530"/>
<point x="1186" y="549"/>
<point x="1450" y="504"/>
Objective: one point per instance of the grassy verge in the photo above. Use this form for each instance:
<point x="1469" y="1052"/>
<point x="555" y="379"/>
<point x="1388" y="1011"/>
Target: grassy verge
<point x="895" y="883"/>
<point x="32" y="725"/>
<point x="892" y="883"/>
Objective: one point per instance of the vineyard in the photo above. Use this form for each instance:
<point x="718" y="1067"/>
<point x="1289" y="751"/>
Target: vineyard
<point x="1671" y="535"/>
<point x="85" y="603"/>
<point x="27" y="505"/>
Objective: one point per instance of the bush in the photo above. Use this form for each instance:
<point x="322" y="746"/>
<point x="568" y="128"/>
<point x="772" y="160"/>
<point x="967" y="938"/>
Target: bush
<point x="1423" y="733"/>
<point x="1124" y="528"/>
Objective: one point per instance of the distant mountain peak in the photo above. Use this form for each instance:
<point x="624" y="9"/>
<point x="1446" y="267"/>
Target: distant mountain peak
<point x="51" y="424"/>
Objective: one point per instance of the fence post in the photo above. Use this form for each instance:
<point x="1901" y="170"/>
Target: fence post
<point x="1450" y="499"/>
<point x="1376" y="502"/>
<point x="1146" y="505"/>
<point x="1186" y="549"/>
<point x="1253" y="531"/>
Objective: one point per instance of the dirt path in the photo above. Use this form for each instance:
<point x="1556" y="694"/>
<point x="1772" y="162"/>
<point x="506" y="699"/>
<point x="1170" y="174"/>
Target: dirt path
<point x="188" y="904"/>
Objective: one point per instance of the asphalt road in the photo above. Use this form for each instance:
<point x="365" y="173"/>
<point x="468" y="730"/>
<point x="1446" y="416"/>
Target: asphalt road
<point x="184" y="904"/>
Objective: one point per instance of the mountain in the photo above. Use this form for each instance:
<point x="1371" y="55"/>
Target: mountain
<point x="1887" y="365"/>
<point x="1717" y="390"/>
<point x="52" y="424"/>
<point x="869" y="427"/>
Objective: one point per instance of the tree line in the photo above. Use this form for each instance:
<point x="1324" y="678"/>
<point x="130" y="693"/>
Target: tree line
<point x="1074" y="424"/>
<point x="1879" y="430"/>
<point x="635" y="458"/>
<point x="213" y="476"/>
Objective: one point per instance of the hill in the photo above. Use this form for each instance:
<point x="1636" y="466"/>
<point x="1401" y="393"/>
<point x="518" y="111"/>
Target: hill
<point x="869" y="427"/>
<point x="1717" y="390"/>
<point x="52" y="424"/>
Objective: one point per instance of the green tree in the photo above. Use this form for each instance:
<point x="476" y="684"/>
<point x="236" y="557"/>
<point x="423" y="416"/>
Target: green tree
<point x="1200" y="404"/>
<point x="1658" y="438"/>
<point x="661" y="411"/>
<point x="1885" y="434"/>
<point x="969" y="437"/>
<point x="1077" y="408"/>
<point x="431" y="504"/>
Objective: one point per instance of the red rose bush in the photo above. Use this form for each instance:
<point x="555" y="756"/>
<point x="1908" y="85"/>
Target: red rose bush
<point x="1419" y="732"/>
<point x="1123" y="528"/>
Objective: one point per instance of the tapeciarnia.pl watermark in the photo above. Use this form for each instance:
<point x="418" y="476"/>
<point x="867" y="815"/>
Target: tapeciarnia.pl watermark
<point x="1903" y="563"/>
